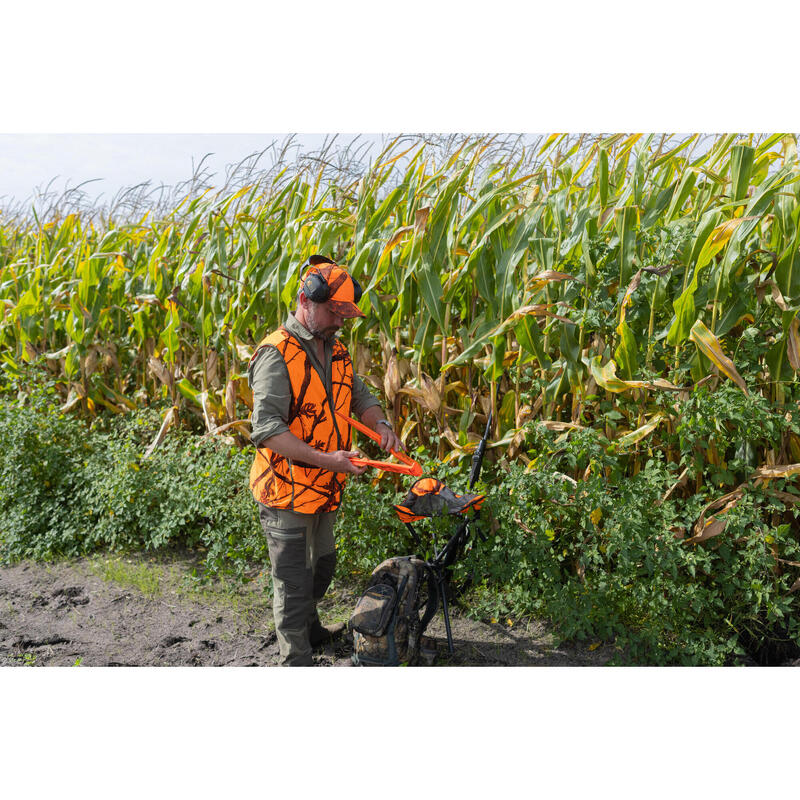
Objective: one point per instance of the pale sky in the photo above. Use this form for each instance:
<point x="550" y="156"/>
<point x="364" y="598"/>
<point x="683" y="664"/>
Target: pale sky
<point x="30" y="161"/>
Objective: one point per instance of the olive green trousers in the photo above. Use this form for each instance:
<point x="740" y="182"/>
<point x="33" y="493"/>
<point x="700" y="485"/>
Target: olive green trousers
<point x="303" y="558"/>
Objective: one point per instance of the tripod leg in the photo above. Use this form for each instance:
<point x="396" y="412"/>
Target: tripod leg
<point x="445" y="611"/>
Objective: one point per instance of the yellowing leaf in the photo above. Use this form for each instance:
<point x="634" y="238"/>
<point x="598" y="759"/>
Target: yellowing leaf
<point x="710" y="346"/>
<point x="717" y="239"/>
<point x="606" y="378"/>
<point x="397" y="237"/>
<point x="594" y="646"/>
<point x="636" y="436"/>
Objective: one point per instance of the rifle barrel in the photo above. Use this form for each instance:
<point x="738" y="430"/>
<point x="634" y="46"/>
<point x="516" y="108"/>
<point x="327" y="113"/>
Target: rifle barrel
<point x="477" y="456"/>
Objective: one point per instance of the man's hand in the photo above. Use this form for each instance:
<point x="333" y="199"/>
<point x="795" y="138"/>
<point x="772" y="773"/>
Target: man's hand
<point x="389" y="439"/>
<point x="339" y="461"/>
<point x="288" y="445"/>
<point x="373" y="418"/>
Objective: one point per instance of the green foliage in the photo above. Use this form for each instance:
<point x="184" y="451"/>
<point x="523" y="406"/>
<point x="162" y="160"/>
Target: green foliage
<point x="735" y="425"/>
<point x="599" y="557"/>
<point x="603" y="561"/>
<point x="68" y="489"/>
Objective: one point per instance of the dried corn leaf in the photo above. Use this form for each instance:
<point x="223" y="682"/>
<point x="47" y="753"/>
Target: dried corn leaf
<point x="705" y="529"/>
<point x="212" y="410"/>
<point x="169" y="420"/>
<point x="777" y="471"/>
<point x="426" y="395"/>
<point x="363" y="359"/>
<point x="245" y="393"/>
<point x="421" y="219"/>
<point x="713" y="527"/>
<point x="682" y="479"/>
<point x="212" y="372"/>
<point x="408" y="427"/>
<point x="541" y="279"/>
<point x="242" y="425"/>
<point x="777" y="295"/>
<point x="159" y="370"/>
<point x="793" y="344"/>
<point x="557" y="427"/>
<point x="230" y="400"/>
<point x="627" y="300"/>
<point x="76" y="394"/>
<point x="391" y="378"/>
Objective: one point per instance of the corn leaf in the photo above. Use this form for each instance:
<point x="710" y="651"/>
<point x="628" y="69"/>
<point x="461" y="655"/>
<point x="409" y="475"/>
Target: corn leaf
<point x="710" y="346"/>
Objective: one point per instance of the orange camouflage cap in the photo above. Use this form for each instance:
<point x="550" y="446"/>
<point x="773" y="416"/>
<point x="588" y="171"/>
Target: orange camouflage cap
<point x="333" y="285"/>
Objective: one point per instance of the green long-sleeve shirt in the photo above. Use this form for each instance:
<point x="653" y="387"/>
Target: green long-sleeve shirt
<point x="268" y="377"/>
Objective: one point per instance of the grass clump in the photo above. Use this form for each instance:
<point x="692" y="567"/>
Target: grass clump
<point x="125" y="572"/>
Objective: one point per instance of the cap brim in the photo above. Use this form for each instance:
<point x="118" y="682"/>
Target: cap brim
<point x="345" y="309"/>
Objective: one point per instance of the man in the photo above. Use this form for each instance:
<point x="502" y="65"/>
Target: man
<point x="299" y="374"/>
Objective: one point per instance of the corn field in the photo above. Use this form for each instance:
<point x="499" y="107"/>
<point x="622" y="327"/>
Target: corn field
<point x="534" y="278"/>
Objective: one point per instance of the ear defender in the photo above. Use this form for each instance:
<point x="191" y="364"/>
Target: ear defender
<point x="357" y="290"/>
<point x="316" y="288"/>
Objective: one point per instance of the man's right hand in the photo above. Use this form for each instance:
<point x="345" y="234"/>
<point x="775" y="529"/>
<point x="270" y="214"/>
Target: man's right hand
<point x="339" y="461"/>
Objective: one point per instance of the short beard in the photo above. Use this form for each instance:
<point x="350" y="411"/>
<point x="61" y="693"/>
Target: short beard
<point x="326" y="334"/>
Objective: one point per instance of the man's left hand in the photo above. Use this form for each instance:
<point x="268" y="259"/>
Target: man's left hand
<point x="389" y="439"/>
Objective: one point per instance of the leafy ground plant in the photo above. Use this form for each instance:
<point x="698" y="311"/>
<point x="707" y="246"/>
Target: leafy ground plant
<point x="607" y="556"/>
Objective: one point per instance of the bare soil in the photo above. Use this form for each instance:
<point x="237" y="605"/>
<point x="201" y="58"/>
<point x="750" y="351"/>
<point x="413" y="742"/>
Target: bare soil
<point x="140" y="611"/>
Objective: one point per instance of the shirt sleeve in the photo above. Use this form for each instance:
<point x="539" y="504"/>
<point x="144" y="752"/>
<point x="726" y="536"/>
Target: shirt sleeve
<point x="268" y="377"/>
<point x="362" y="397"/>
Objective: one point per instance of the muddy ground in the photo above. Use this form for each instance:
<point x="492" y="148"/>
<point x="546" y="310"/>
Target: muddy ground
<point x="141" y="611"/>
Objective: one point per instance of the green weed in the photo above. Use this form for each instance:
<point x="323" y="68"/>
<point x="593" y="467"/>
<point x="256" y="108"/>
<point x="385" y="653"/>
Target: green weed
<point x="126" y="572"/>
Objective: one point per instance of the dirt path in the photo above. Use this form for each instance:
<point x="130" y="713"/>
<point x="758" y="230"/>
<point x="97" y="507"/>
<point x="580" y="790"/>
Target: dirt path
<point x="136" y="611"/>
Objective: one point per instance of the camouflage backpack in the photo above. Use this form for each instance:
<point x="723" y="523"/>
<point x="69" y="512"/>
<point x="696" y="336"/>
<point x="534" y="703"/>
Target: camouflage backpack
<point x="386" y="624"/>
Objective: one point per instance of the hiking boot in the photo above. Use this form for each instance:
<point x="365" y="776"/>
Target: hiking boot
<point x="321" y="634"/>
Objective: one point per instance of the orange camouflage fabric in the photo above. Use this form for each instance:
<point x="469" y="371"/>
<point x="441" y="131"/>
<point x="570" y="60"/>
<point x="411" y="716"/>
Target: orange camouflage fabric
<point x="278" y="482"/>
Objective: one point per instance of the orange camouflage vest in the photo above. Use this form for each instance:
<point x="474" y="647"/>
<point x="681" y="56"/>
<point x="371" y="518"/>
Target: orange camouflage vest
<point x="275" y="480"/>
